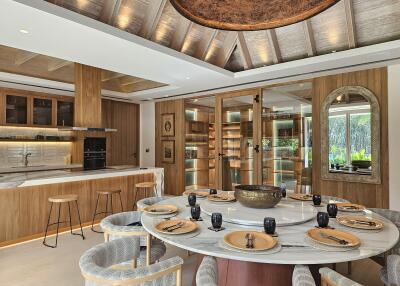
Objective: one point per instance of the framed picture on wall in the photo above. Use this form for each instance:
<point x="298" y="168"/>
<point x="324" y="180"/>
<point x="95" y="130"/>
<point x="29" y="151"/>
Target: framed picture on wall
<point x="168" y="125"/>
<point x="168" y="151"/>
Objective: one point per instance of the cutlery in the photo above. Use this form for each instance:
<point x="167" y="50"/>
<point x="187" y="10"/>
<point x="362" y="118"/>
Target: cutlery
<point x="334" y="238"/>
<point x="293" y="245"/>
<point x="350" y="208"/>
<point x="370" y="223"/>
<point x="252" y="239"/>
<point x="175" y="228"/>
<point x="172" y="226"/>
<point x="160" y="210"/>
<point x="249" y="240"/>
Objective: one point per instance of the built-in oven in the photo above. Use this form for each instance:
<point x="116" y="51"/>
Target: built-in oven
<point x="94" y="153"/>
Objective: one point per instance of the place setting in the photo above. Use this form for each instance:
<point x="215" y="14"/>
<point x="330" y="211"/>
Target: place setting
<point x="327" y="238"/>
<point x="350" y="207"/>
<point x="221" y="198"/>
<point x="301" y="197"/>
<point x="164" y="211"/>
<point x="200" y="193"/>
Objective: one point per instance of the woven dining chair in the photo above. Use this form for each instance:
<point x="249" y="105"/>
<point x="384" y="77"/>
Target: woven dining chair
<point x="141" y="204"/>
<point x="390" y="275"/>
<point x="302" y="277"/>
<point x="207" y="274"/>
<point x="117" y="226"/>
<point x="97" y="266"/>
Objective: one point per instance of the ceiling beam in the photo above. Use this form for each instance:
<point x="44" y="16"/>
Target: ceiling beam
<point x="273" y="43"/>
<point x="227" y="49"/>
<point x="309" y="38"/>
<point x="181" y="33"/>
<point x="130" y="80"/>
<point x="204" y="48"/>
<point x="153" y="15"/>
<point x="56" y="64"/>
<point x="107" y="75"/>
<point x="110" y="11"/>
<point x="23" y="57"/>
<point x="351" y="27"/>
<point x="57" y="2"/>
<point x="244" y="51"/>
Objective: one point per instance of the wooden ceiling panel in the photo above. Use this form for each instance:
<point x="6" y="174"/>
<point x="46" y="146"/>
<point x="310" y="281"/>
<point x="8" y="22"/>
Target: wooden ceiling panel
<point x="330" y="30"/>
<point x="376" y="21"/>
<point x="89" y="8"/>
<point x="291" y="42"/>
<point x="219" y="48"/>
<point x="167" y="26"/>
<point x="234" y="63"/>
<point x="259" y="48"/>
<point x="196" y="36"/>
<point x="131" y="16"/>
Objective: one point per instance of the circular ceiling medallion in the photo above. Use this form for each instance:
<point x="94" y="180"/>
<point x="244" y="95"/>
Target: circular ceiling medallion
<point x="249" y="15"/>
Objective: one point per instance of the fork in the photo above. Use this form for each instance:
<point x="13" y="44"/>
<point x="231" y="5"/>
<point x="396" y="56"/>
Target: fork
<point x="172" y="226"/>
<point x="334" y="238"/>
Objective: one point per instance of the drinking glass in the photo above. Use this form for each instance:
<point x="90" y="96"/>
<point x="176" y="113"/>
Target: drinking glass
<point x="332" y="210"/>
<point x="216" y="220"/>
<point x="316" y="200"/>
<point x="195" y="211"/>
<point x="192" y="199"/>
<point x="322" y="219"/>
<point x="269" y="225"/>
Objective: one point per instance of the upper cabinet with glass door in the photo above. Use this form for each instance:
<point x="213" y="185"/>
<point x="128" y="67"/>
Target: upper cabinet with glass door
<point x="16" y="109"/>
<point x="42" y="111"/>
<point x="287" y="136"/>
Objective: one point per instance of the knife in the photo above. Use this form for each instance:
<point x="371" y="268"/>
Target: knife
<point x="338" y="240"/>
<point x="175" y="228"/>
<point x="172" y="226"/>
<point x="370" y="223"/>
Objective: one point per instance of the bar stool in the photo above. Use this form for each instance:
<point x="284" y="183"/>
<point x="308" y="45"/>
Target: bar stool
<point x="106" y="193"/>
<point x="144" y="187"/>
<point x="60" y="200"/>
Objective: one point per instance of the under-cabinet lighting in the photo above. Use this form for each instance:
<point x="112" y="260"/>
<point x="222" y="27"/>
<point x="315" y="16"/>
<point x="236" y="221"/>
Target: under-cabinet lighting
<point x="23" y="31"/>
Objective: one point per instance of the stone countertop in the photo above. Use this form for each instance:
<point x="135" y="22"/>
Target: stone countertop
<point x="38" y="168"/>
<point x="15" y="180"/>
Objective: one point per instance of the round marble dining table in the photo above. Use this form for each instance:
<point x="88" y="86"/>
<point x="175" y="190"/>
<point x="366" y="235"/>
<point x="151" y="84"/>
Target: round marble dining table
<point x="272" y="267"/>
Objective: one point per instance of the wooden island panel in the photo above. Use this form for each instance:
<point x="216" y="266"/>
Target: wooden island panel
<point x="25" y="210"/>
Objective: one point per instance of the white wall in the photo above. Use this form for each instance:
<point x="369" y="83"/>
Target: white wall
<point x="147" y="134"/>
<point x="394" y="136"/>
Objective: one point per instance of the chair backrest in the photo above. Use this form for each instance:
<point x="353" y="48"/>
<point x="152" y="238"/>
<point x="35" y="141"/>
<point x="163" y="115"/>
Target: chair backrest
<point x="207" y="274"/>
<point x="302" y="276"/>
<point x="95" y="265"/>
<point x="328" y="199"/>
<point x="394" y="217"/>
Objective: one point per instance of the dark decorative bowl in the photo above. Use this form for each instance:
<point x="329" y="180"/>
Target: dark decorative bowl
<point x="258" y="196"/>
<point x="363" y="164"/>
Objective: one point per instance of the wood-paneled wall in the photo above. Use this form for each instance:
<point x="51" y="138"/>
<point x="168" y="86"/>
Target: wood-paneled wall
<point x="369" y="195"/>
<point x="174" y="174"/>
<point x="25" y="210"/>
<point x="124" y="144"/>
<point x="87" y="96"/>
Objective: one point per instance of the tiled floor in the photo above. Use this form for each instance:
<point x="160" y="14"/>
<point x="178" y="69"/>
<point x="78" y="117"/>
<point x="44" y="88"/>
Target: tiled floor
<point x="33" y="264"/>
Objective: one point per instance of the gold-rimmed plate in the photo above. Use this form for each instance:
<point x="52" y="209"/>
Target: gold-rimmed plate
<point x="360" y="222"/>
<point x="159" y="209"/>
<point x="349" y="207"/>
<point x="221" y="198"/>
<point x="238" y="240"/>
<point x="198" y="193"/>
<point x="176" y="226"/>
<point x="301" y="197"/>
<point x="331" y="237"/>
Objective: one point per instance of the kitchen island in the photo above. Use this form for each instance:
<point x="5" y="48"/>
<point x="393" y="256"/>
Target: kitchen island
<point x="24" y="204"/>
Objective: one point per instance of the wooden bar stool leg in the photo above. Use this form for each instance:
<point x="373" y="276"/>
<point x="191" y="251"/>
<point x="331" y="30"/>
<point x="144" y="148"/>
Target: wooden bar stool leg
<point x="48" y="223"/>
<point x="95" y="212"/>
<point x="106" y="206"/>
<point x="70" y="220"/>
<point x="120" y="201"/>
<point x="135" y="200"/>
<point x="79" y="218"/>
<point x="58" y="222"/>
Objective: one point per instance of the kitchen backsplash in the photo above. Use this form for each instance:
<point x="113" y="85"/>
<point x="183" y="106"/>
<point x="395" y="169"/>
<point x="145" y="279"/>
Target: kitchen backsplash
<point x="42" y="153"/>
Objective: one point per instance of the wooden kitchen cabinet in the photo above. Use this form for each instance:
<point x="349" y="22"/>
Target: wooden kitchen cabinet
<point x="65" y="113"/>
<point x="42" y="111"/>
<point x="16" y="109"/>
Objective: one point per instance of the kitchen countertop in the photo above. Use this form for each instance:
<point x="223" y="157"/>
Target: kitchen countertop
<point x="26" y="179"/>
<point x="22" y="169"/>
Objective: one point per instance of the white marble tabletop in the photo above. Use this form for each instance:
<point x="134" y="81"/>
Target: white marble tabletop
<point x="295" y="249"/>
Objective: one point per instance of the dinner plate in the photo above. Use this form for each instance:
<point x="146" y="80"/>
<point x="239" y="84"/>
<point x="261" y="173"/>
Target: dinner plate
<point x="322" y="236"/>
<point x="221" y="198"/>
<point x="199" y="193"/>
<point x="301" y="197"/>
<point x="159" y="209"/>
<point x="349" y="207"/>
<point x="360" y="222"/>
<point x="176" y="226"/>
<point x="261" y="241"/>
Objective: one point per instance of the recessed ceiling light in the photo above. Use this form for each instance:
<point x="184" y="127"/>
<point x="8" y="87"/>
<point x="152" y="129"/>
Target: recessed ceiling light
<point x="188" y="77"/>
<point x="23" y="31"/>
<point x="334" y="51"/>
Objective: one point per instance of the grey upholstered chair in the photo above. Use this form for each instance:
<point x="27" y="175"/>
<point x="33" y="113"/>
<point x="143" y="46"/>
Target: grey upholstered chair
<point x="328" y="199"/>
<point x="141" y="204"/>
<point x="97" y="266"/>
<point x="117" y="226"/>
<point x="302" y="277"/>
<point x="207" y="274"/>
<point x="390" y="275"/>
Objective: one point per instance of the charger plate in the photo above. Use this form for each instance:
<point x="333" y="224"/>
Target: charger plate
<point x="198" y="193"/>
<point x="316" y="234"/>
<point x="354" y="222"/>
<point x="301" y="197"/>
<point x="159" y="209"/>
<point x="349" y="207"/>
<point x="262" y="241"/>
<point x="188" y="226"/>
